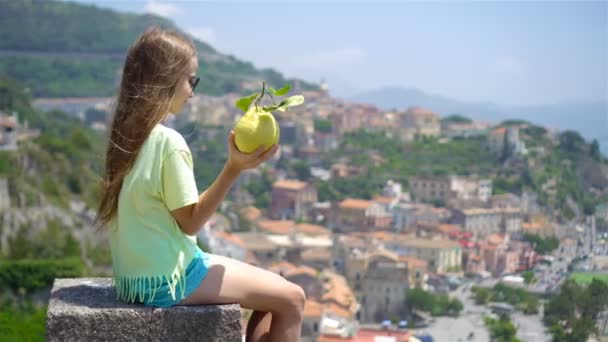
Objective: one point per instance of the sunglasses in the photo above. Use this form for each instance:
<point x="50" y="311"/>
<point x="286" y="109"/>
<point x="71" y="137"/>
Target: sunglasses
<point x="193" y="80"/>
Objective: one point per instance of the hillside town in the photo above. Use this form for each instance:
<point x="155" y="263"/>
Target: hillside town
<point x="357" y="258"/>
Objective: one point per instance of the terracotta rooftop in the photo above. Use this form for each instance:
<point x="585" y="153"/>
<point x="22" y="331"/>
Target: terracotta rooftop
<point x="316" y="254"/>
<point x="382" y="253"/>
<point x="449" y="228"/>
<point x="413" y="262"/>
<point x="495" y="239"/>
<point x="290" y="185"/>
<point x="312" y="229"/>
<point x="428" y="243"/>
<point x="302" y="270"/>
<point x="499" y="131"/>
<point x="338" y="292"/>
<point x="283" y="227"/>
<point x="251" y="213"/>
<point x="256" y="241"/>
<point x="353" y="203"/>
<point x="369" y="335"/>
<point x="383" y="199"/>
<point x="419" y="111"/>
<point x="312" y="309"/>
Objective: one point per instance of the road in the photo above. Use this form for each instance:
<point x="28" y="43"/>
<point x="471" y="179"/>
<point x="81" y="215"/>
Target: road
<point x="529" y="327"/>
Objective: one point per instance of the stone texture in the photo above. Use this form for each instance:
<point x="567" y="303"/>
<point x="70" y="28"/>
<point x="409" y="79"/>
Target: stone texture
<point x="86" y="309"/>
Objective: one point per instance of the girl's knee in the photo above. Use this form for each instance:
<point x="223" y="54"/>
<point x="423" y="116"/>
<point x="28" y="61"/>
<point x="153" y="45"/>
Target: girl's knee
<point x="299" y="296"/>
<point x="295" y="298"/>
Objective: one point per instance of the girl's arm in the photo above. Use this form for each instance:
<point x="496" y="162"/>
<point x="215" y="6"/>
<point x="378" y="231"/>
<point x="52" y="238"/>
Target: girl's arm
<point x="191" y="218"/>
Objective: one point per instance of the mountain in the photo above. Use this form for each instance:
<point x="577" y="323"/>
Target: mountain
<point x="588" y="118"/>
<point x="83" y="55"/>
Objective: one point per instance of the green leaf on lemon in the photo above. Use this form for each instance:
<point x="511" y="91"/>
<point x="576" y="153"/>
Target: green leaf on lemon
<point x="280" y="92"/>
<point x="244" y="102"/>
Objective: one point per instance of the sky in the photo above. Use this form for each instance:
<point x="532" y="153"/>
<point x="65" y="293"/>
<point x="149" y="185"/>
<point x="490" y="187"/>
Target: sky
<point x="510" y="53"/>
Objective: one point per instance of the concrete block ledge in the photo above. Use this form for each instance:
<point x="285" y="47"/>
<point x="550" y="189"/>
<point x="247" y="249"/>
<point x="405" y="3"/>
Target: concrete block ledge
<point x="86" y="309"/>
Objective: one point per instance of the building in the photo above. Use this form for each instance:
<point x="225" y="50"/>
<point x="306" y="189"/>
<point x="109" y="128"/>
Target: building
<point x="393" y="189"/>
<point x="444" y="189"/>
<point x="471" y="188"/>
<point x="317" y="258"/>
<point x="442" y="255"/>
<point x="361" y="215"/>
<point x="428" y="189"/>
<point x="261" y="248"/>
<point x="384" y="290"/>
<point x="313" y="312"/>
<point x="339" y="170"/>
<point x="484" y="221"/>
<point x="542" y="229"/>
<point x="417" y="271"/>
<point x="8" y="132"/>
<point x="496" y="140"/>
<point x="292" y="199"/>
<point x="276" y="227"/>
<point x="224" y="243"/>
<point x="510" y="135"/>
<point x="370" y="335"/>
<point x="417" y="122"/>
<point x="452" y="129"/>
<point x="308" y="279"/>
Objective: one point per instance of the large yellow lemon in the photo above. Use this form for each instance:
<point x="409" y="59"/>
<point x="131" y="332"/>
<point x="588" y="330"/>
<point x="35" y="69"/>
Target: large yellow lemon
<point x="257" y="127"/>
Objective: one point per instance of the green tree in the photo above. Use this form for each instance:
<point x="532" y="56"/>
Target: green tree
<point x="594" y="150"/>
<point x="501" y="329"/>
<point x="542" y="245"/>
<point x="481" y="295"/>
<point x="528" y="277"/>
<point x="457" y="118"/>
<point x="455" y="307"/>
<point x="530" y="306"/>
<point x="594" y="298"/>
<point x="506" y="148"/>
<point x="418" y="299"/>
<point x="561" y="308"/>
<point x="571" y="142"/>
<point x="302" y="170"/>
<point x="322" y="126"/>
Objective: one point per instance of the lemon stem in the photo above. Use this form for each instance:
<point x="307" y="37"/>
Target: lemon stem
<point x="257" y="102"/>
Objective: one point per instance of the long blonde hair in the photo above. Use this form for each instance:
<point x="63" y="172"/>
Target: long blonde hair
<point x="155" y="63"/>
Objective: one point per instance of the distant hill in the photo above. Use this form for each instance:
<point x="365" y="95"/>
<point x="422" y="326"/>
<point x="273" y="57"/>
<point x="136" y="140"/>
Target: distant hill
<point x="590" y="119"/>
<point x="60" y="49"/>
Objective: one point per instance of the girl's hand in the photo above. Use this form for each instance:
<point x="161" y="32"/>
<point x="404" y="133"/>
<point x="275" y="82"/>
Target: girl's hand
<point x="240" y="161"/>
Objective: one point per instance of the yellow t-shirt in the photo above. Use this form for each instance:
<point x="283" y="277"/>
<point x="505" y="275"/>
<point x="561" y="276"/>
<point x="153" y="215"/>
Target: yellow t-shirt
<point x="147" y="245"/>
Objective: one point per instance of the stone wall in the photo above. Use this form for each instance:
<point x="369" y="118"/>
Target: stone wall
<point x="86" y="309"/>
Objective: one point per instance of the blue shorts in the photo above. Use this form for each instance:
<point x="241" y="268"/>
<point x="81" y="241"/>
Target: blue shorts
<point x="195" y="273"/>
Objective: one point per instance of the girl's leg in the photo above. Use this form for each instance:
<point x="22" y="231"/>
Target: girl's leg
<point x="231" y="281"/>
<point x="258" y="327"/>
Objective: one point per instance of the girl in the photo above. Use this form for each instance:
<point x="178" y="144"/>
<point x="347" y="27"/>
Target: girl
<point x="153" y="210"/>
